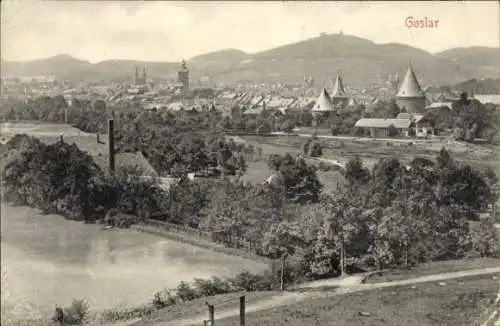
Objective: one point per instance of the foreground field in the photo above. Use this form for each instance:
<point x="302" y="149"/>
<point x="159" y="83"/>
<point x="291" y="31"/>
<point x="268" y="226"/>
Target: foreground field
<point x="455" y="303"/>
<point x="198" y="306"/>
<point x="431" y="269"/>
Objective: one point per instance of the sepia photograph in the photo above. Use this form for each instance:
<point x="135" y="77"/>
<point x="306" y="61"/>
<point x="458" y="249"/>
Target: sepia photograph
<point x="250" y="163"/>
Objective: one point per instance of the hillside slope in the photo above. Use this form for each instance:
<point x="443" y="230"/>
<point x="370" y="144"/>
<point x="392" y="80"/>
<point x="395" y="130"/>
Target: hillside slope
<point x="361" y="62"/>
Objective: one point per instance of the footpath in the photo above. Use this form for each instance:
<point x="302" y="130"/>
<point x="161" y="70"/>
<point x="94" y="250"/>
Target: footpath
<point x="345" y="285"/>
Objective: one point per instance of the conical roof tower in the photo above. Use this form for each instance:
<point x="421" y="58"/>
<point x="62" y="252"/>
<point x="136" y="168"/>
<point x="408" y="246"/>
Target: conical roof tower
<point x="410" y="86"/>
<point x="323" y="103"/>
<point x="338" y="88"/>
<point x="410" y="96"/>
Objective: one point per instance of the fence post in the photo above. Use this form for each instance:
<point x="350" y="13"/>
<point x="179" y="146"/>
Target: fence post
<point x="242" y="310"/>
<point x="211" y="313"/>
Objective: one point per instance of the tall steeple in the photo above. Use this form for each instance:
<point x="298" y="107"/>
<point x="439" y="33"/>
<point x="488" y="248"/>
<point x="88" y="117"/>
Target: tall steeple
<point x="144" y="77"/>
<point x="136" y="76"/>
<point x="410" y="86"/>
<point x="338" y="88"/>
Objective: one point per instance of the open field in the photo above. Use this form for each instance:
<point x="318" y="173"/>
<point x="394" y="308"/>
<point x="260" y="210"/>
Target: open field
<point x="432" y="268"/>
<point x="258" y="172"/>
<point x="460" y="302"/>
<point x="39" y="129"/>
<point x="371" y="151"/>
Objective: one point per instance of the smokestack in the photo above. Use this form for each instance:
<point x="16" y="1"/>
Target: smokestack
<point x="98" y="138"/>
<point x="111" y="144"/>
<point x="61" y="138"/>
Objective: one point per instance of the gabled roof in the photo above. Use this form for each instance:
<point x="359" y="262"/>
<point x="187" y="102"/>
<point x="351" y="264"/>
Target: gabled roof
<point x="338" y="88"/>
<point x="323" y="103"/>
<point x="383" y="123"/>
<point x="413" y="117"/>
<point x="410" y="86"/>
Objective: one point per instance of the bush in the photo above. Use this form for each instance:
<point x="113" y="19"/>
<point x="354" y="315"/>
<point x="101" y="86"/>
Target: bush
<point x="77" y="313"/>
<point x="213" y="286"/>
<point x="316" y="150"/>
<point x="163" y="299"/>
<point x="251" y="282"/>
<point x="392" y="131"/>
<point x="185" y="292"/>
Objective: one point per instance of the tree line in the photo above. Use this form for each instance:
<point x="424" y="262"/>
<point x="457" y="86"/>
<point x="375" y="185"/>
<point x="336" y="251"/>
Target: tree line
<point x="394" y="214"/>
<point x="468" y="118"/>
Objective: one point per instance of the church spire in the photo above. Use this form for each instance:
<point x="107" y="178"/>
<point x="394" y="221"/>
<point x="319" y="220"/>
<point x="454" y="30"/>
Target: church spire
<point x="338" y="88"/>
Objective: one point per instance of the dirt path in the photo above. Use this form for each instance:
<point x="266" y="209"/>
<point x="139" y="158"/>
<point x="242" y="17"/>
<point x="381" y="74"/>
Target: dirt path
<point x="346" y="285"/>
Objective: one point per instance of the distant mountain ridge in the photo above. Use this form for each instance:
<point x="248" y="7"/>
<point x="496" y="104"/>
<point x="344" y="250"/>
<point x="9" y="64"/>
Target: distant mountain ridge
<point x="359" y="60"/>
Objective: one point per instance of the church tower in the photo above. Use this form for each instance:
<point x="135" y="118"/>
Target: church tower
<point x="183" y="75"/>
<point x="339" y="96"/>
<point x="144" y="76"/>
<point x="410" y="96"/>
<point x="136" y="76"/>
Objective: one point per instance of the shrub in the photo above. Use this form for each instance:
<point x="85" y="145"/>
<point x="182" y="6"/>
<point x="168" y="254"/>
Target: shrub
<point x="251" y="282"/>
<point x="185" y="292"/>
<point x="316" y="150"/>
<point x="77" y="313"/>
<point x="213" y="286"/>
<point x="163" y="299"/>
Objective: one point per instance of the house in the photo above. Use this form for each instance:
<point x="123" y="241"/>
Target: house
<point x="437" y="105"/>
<point x="488" y="99"/>
<point x="380" y="127"/>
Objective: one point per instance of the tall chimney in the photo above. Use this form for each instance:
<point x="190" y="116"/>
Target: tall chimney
<point x="111" y="144"/>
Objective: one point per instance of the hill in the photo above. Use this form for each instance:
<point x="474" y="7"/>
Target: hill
<point x="485" y="60"/>
<point x="484" y="86"/>
<point x="361" y="61"/>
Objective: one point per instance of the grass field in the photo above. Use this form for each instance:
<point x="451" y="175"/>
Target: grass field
<point x="432" y="268"/>
<point x="461" y="302"/>
<point x="342" y="150"/>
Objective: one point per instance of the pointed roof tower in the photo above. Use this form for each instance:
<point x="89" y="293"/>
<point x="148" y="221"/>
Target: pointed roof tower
<point x="410" y="86"/>
<point x="338" y="88"/>
<point x="323" y="103"/>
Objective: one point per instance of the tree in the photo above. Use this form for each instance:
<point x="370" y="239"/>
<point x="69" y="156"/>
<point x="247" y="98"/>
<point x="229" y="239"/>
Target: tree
<point x="355" y="172"/>
<point x="316" y="149"/>
<point x="392" y="131"/>
<point x="300" y="180"/>
<point x="287" y="126"/>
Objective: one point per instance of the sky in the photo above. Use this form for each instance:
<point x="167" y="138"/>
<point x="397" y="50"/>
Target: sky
<point x="171" y="31"/>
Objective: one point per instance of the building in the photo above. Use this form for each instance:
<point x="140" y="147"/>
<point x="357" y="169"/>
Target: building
<point x="380" y="127"/>
<point x="410" y="96"/>
<point x="339" y="96"/>
<point x="183" y="77"/>
<point x="140" y="81"/>
<point x="323" y="103"/>
<point x="488" y="99"/>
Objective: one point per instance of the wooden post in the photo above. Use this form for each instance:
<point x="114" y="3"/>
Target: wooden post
<point x="111" y="145"/>
<point x="282" y="285"/>
<point x="242" y="310"/>
<point x="211" y="313"/>
<point x="341" y="259"/>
